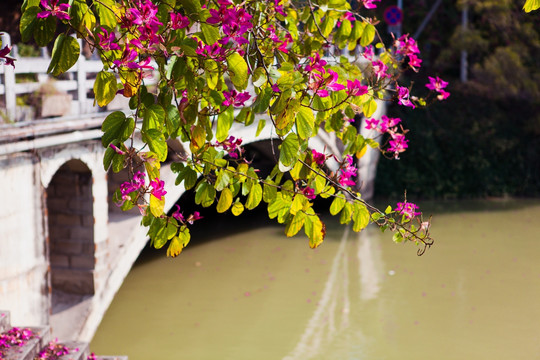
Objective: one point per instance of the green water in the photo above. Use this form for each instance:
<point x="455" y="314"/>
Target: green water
<point x="260" y="295"/>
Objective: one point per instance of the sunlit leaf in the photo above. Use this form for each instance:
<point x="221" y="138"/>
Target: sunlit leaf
<point x="225" y="200"/>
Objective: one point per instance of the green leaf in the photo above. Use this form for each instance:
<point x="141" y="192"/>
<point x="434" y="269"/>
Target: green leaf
<point x="262" y="102"/>
<point x="259" y="77"/>
<point x="106" y="13"/>
<point x="269" y="191"/>
<point x="28" y="22"/>
<point x="224" y="123"/>
<point x="212" y="73"/>
<point x="338" y="204"/>
<point x="205" y="194"/>
<point x="254" y="196"/>
<point x="314" y="229"/>
<point x="82" y="17"/>
<point x="360" y="217"/>
<point x="192" y="8"/>
<point x="45" y="31"/>
<point x="367" y="35"/>
<point x="223" y="179"/>
<point x="105" y="88"/>
<point x="238" y="70"/>
<point x="156" y="205"/>
<point x="116" y="127"/>
<point x="154" y="117"/>
<point x="297" y="203"/>
<point x="260" y="127"/>
<point x="211" y="33"/>
<point x="346" y="213"/>
<point x="288" y="153"/>
<point x="225" y="201"/>
<point x="369" y="108"/>
<point x="172" y="120"/>
<point x="531" y="5"/>
<point x="156" y="141"/>
<point x="305" y="122"/>
<point x="278" y="206"/>
<point x="296" y="224"/>
<point x="65" y="54"/>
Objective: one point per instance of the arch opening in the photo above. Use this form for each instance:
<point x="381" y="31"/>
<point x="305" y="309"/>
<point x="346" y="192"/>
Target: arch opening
<point x="71" y="229"/>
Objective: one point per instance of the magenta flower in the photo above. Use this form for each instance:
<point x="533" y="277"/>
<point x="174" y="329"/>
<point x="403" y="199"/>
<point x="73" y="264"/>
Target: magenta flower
<point x="387" y="123"/>
<point x="107" y="41"/>
<point x="178" y="21"/>
<point x="355" y="88"/>
<point x="347" y="172"/>
<point x="368" y="4"/>
<point x="54" y="9"/>
<point x="158" y="188"/>
<point x="234" y="98"/>
<point x="368" y="53"/>
<point x="4" y="54"/>
<point x="233" y="146"/>
<point x="128" y="187"/>
<point x="414" y="62"/>
<point x="309" y="193"/>
<point x="437" y="84"/>
<point x="398" y="144"/>
<point x="408" y="209"/>
<point x="315" y="64"/>
<point x="404" y="97"/>
<point x="406" y="45"/>
<point x="371" y="124"/>
<point x="193" y="217"/>
<point x="178" y="215"/>
<point x="380" y="69"/>
<point x="318" y="157"/>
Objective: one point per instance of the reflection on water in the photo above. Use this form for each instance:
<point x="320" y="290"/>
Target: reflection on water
<point x="259" y="295"/>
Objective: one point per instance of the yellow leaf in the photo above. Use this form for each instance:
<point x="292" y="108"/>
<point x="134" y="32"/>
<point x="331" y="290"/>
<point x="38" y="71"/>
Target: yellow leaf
<point x="361" y="152"/>
<point x="225" y="201"/>
<point x="237" y="208"/>
<point x="157" y="206"/>
<point x="296" y="224"/>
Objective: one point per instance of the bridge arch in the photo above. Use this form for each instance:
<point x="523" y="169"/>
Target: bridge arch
<point x="70" y="224"/>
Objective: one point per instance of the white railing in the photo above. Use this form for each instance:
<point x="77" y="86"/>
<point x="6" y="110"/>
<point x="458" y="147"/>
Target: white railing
<point x="76" y="81"/>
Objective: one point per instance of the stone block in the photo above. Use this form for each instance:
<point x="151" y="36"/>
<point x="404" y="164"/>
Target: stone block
<point x="73" y="281"/>
<point x="80" y="205"/>
<point x="82" y="233"/>
<point x="55" y="105"/>
<point x="64" y="219"/>
<point x="59" y="232"/>
<point x="59" y="260"/>
<point x="82" y="262"/>
<point x="66" y="247"/>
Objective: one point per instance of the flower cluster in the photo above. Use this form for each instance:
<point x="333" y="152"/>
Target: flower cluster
<point x="158" y="188"/>
<point x="438" y="85"/>
<point x="407" y="46"/>
<point x="178" y="215"/>
<point x="235" y="98"/>
<point x="232" y="146"/>
<point x="320" y="79"/>
<point x="347" y="172"/>
<point x="398" y="143"/>
<point x="407" y="209"/>
<point x="14" y="337"/>
<point x="318" y="157"/>
<point x="128" y="187"/>
<point x="54" y="351"/>
<point x="52" y="8"/>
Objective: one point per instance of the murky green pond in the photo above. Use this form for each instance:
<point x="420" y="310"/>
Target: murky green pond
<point x="260" y="295"/>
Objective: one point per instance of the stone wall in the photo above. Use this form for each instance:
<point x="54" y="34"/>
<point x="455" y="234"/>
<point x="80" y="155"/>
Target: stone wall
<point x="71" y="229"/>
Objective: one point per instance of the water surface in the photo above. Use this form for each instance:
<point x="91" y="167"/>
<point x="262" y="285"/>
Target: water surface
<point x="260" y="295"/>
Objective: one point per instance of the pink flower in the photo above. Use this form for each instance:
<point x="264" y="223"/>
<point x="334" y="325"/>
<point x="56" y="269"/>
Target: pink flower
<point x="371" y="124"/>
<point x="408" y="209"/>
<point x="158" y="188"/>
<point x="54" y="9"/>
<point x="107" y="41"/>
<point x="368" y="4"/>
<point x="347" y="171"/>
<point x="193" y="217"/>
<point x="406" y="45"/>
<point x="438" y="85"/>
<point x="178" y="215"/>
<point x="178" y="21"/>
<point x="309" y="193"/>
<point x="404" y="97"/>
<point x="355" y="88"/>
<point x="414" y="62"/>
<point x="380" y="68"/>
<point x="234" y="98"/>
<point x="398" y="144"/>
<point x="318" y="157"/>
<point x="233" y="146"/>
<point x="368" y="53"/>
<point x="4" y="54"/>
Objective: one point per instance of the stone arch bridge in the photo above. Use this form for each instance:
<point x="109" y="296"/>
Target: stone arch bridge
<point x="64" y="247"/>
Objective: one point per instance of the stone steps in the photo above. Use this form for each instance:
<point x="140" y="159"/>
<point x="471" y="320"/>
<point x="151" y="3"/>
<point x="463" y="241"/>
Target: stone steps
<point x="32" y="347"/>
